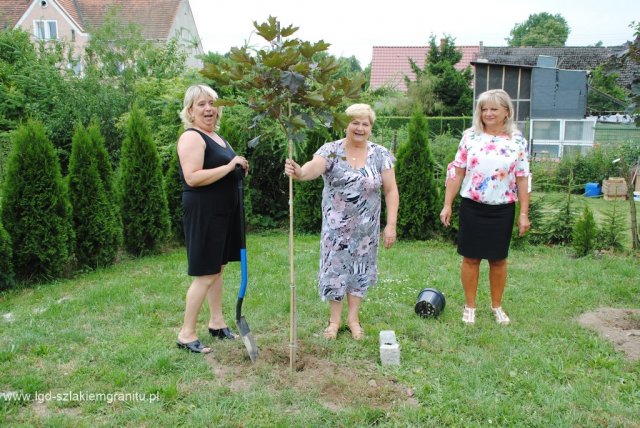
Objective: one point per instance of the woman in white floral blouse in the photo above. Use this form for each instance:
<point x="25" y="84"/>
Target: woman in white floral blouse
<point x="353" y="169"/>
<point x="491" y="171"/>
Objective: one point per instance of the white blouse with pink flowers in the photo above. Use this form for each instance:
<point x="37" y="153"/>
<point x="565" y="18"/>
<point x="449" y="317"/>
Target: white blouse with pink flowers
<point x="492" y="163"/>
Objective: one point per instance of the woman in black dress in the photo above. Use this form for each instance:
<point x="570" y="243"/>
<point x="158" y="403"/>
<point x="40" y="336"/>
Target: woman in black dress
<point x="211" y="212"/>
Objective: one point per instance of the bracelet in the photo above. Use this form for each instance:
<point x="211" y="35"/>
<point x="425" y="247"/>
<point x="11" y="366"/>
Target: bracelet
<point x="525" y="214"/>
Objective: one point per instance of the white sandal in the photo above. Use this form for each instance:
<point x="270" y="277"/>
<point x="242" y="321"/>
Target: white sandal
<point x="469" y="315"/>
<point x="501" y="316"/>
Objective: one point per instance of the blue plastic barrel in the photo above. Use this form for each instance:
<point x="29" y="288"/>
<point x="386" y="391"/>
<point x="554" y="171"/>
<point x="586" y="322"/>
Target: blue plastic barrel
<point x="592" y="190"/>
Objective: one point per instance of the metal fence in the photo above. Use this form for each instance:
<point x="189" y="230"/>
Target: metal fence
<point x="614" y="134"/>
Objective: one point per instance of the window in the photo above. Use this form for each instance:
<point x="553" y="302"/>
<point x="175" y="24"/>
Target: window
<point x="46" y="30"/>
<point x="561" y="137"/>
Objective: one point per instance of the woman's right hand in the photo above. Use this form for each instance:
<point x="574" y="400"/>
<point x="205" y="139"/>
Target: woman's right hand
<point x="242" y="161"/>
<point x="292" y="169"/>
<point x="445" y="215"/>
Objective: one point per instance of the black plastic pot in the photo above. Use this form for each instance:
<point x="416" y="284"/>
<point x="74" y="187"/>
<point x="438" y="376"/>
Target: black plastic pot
<point x="430" y="303"/>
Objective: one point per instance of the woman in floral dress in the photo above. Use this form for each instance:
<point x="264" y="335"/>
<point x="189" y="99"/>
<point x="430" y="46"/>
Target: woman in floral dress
<point x="354" y="170"/>
<point x="491" y="171"/>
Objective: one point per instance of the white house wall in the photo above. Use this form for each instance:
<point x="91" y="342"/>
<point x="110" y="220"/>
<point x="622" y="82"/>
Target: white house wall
<point x="53" y="12"/>
<point x="185" y="30"/>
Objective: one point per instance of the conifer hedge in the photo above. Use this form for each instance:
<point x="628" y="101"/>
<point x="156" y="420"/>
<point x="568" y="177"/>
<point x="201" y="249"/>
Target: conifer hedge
<point x="95" y="222"/>
<point x="420" y="204"/>
<point x="6" y="260"/>
<point x="105" y="169"/>
<point x="145" y="213"/>
<point x="35" y="208"/>
<point x="174" y="198"/>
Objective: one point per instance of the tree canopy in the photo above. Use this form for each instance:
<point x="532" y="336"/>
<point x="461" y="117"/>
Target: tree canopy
<point x="540" y="29"/>
<point x="440" y="89"/>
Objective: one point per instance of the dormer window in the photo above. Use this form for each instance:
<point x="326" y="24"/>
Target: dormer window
<point x="46" y="30"/>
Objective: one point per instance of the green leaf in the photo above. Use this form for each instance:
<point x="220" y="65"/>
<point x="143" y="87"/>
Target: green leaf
<point x="287" y="31"/>
<point x="315" y="99"/>
<point x="307" y="50"/>
<point x="267" y="30"/>
<point x="241" y="56"/>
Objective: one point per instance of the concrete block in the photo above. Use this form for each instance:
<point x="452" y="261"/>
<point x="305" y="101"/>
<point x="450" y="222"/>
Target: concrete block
<point x="389" y="348"/>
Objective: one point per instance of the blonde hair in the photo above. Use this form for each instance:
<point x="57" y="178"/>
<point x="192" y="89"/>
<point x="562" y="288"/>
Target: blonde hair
<point x="494" y="96"/>
<point x="361" y="110"/>
<point x="193" y="94"/>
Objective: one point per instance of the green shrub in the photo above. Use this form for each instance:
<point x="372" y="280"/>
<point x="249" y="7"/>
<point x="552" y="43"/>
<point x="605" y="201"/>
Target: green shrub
<point x="584" y="233"/>
<point x="174" y="198"/>
<point x="437" y="125"/>
<point x="307" y="195"/>
<point x="559" y="226"/>
<point x="418" y="215"/>
<point x="610" y="232"/>
<point x="6" y="260"/>
<point x="145" y="213"/>
<point x="35" y="208"/>
<point x="266" y="186"/>
<point x="95" y="217"/>
<point x="443" y="149"/>
<point x="535" y="232"/>
<point x="544" y="176"/>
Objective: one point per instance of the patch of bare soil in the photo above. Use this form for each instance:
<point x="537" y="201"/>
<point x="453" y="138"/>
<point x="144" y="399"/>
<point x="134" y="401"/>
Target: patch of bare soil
<point x="620" y="326"/>
<point x="340" y="386"/>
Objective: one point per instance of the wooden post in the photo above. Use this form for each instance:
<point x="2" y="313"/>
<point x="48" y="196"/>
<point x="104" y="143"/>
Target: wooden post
<point x="292" y="284"/>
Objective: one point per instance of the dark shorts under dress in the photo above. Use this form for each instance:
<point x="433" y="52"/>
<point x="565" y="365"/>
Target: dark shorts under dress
<point x="211" y="215"/>
<point x="485" y="230"/>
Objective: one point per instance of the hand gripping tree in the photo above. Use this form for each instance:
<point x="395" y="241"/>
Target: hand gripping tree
<point x="294" y="83"/>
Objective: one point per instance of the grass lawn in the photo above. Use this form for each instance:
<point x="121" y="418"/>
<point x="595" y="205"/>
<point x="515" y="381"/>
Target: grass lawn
<point x="112" y="333"/>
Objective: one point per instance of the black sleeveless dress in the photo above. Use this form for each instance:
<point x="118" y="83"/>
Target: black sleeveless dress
<point x="211" y="215"/>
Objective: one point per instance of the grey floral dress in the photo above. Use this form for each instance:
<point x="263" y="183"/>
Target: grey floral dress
<point x="351" y="201"/>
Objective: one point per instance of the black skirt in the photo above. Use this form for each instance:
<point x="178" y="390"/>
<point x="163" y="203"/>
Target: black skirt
<point x="212" y="235"/>
<point x="485" y="230"/>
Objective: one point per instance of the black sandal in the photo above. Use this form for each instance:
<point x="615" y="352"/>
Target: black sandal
<point x="195" y="346"/>
<point x="222" y="333"/>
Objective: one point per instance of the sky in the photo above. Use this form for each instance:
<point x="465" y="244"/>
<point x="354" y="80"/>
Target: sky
<point x="354" y="27"/>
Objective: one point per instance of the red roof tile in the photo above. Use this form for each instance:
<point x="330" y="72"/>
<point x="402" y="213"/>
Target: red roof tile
<point x="155" y="17"/>
<point x="389" y="64"/>
<point x="11" y="11"/>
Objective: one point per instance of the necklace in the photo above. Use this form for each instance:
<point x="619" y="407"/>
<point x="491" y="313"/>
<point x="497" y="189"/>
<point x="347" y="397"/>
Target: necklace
<point x="353" y="158"/>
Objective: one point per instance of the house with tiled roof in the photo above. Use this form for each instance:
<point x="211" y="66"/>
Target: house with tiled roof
<point x="73" y="20"/>
<point x="390" y="64"/>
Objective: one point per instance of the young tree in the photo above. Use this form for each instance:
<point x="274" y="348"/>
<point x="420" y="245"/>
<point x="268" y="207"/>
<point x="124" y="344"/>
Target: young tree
<point x="35" y="209"/>
<point x="95" y="217"/>
<point x="610" y="232"/>
<point x="584" y="233"/>
<point x="440" y="89"/>
<point x="292" y="82"/>
<point x="418" y="215"/>
<point x="103" y="161"/>
<point x="605" y="95"/>
<point x="145" y="213"/>
<point x="540" y="29"/>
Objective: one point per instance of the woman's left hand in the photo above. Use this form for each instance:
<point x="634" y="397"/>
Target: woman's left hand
<point x="389" y="235"/>
<point x="523" y="224"/>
